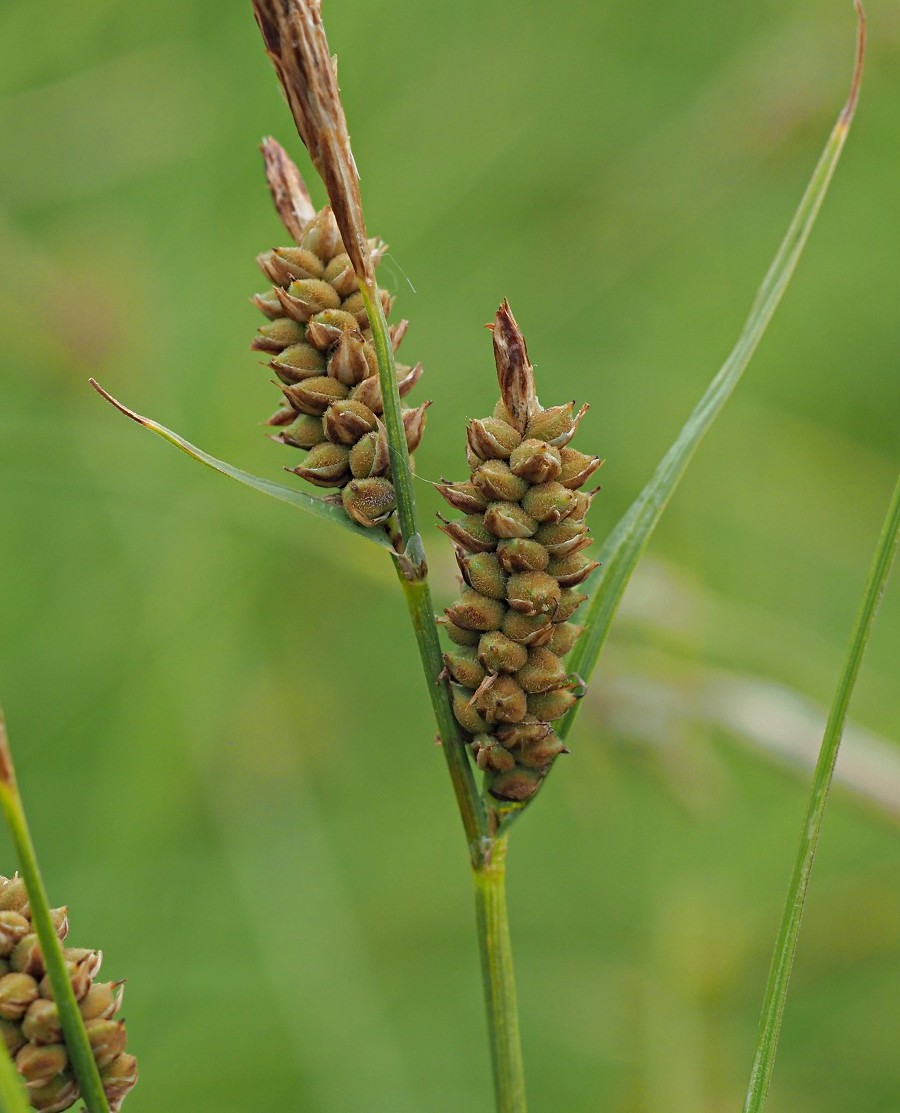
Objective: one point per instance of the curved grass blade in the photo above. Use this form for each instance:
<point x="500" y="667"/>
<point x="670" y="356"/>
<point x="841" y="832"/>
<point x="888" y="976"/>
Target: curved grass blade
<point x="13" y="1096"/>
<point x="625" y="546"/>
<point x="786" y="943"/>
<point x="322" y="509"/>
<point x="78" y="1046"/>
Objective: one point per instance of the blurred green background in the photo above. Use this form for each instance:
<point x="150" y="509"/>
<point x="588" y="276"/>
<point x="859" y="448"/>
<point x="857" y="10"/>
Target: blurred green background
<point x="215" y="703"/>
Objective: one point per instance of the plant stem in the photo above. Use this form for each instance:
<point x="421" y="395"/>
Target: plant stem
<point x="77" y="1044"/>
<point x="499" y="980"/>
<point x="789" y="930"/>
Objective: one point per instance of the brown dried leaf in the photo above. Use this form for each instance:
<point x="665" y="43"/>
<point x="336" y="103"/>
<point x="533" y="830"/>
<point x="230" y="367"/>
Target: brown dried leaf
<point x="289" y="192"/>
<point x="514" y="372"/>
<point x="295" y="42"/>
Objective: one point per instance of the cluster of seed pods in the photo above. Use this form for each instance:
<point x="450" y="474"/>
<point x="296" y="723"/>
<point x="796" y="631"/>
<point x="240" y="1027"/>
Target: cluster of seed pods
<point x="321" y="349"/>
<point x="29" y="1018"/>
<point x="520" y="549"/>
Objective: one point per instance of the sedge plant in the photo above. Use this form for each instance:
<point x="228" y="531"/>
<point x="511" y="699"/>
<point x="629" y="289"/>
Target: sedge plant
<point x="525" y="633"/>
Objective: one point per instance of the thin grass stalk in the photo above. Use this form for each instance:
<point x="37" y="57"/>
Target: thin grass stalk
<point x="499" y="981"/>
<point x="789" y="929"/>
<point x="78" y="1045"/>
<point x="625" y="546"/>
<point x="13" y="1095"/>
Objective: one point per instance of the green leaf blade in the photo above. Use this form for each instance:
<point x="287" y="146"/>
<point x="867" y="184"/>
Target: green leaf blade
<point x="624" y="547"/>
<point x="789" y="929"/>
<point x="330" y="512"/>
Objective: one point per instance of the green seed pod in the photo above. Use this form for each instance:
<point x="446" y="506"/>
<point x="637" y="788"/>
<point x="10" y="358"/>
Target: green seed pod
<point x="501" y="700"/>
<point x="582" y="505"/>
<point x="370" y="501"/>
<point x="356" y="306"/>
<point x="508" y="519"/>
<point x="57" y="1095"/>
<point x="314" y="295"/>
<point x="565" y="634"/>
<point x="492" y="438"/>
<point x="482" y="572"/>
<point x="577" y="468"/>
<point x="326" y="328"/>
<point x="517" y="785"/>
<point x="370" y="455"/>
<point x="348" y="363"/>
<point x="414" y="425"/>
<point x="572" y="570"/>
<point x="533" y="593"/>
<point x="463" y="496"/>
<point x="306" y="432"/>
<point x="536" y="461"/>
<point x="496" y="482"/>
<point x="522" y="554"/>
<point x="548" y="502"/>
<point x="466" y="714"/>
<point x="41" y="1022"/>
<point x="59" y="917"/>
<point x="569" y="602"/>
<point x="270" y="303"/>
<point x="107" y="1039"/>
<point x="278" y="335"/>
<point x="321" y="235"/>
<point x="26" y="957"/>
<point x="529" y="731"/>
<point x="470" y="532"/>
<point x="327" y="465"/>
<point x="463" y="668"/>
<point x="543" y="672"/>
<point x="13" y="895"/>
<point x="298" y="362"/>
<point x="369" y="390"/>
<point x="490" y="755"/>
<point x="297" y="262"/>
<point x="341" y="275"/>
<point x="476" y="611"/>
<point x="548" y="706"/>
<point x="13" y="927"/>
<point x="122" y="1071"/>
<point x="527" y="629"/>
<point x="12" y="1035"/>
<point x="561" y="538"/>
<point x="346" y="421"/>
<point x="103" y="999"/>
<point x="81" y="965"/>
<point x="39" y="1064"/>
<point x="555" y="425"/>
<point x="459" y="635"/>
<point x="498" y="653"/>
<point x="315" y="395"/>
<point x="17" y="991"/>
<point x="540" y="755"/>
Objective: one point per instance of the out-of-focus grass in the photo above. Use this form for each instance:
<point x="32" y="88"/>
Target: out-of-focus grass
<point x="193" y="676"/>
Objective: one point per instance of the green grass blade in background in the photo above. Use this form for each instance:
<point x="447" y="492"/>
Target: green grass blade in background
<point x="786" y="943"/>
<point x="13" y="1096"/>
<point x="78" y="1045"/>
<point x="623" y="549"/>
<point x="331" y="512"/>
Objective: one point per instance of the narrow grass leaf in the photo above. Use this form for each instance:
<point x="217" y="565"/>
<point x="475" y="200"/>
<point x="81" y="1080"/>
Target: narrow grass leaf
<point x="78" y="1045"/>
<point x="625" y="546"/>
<point x="322" y="509"/>
<point x="786" y="943"/>
<point x="13" y="1096"/>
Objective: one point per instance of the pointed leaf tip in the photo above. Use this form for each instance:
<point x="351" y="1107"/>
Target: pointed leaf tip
<point x="322" y="508"/>
<point x="289" y="193"/>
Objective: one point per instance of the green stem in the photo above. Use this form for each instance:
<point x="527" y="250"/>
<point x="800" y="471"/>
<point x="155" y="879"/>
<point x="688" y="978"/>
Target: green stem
<point x="76" y="1037"/>
<point x="412" y="570"/>
<point x="13" y="1096"/>
<point x="789" y="930"/>
<point x="499" y="981"/>
<point x="471" y="808"/>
